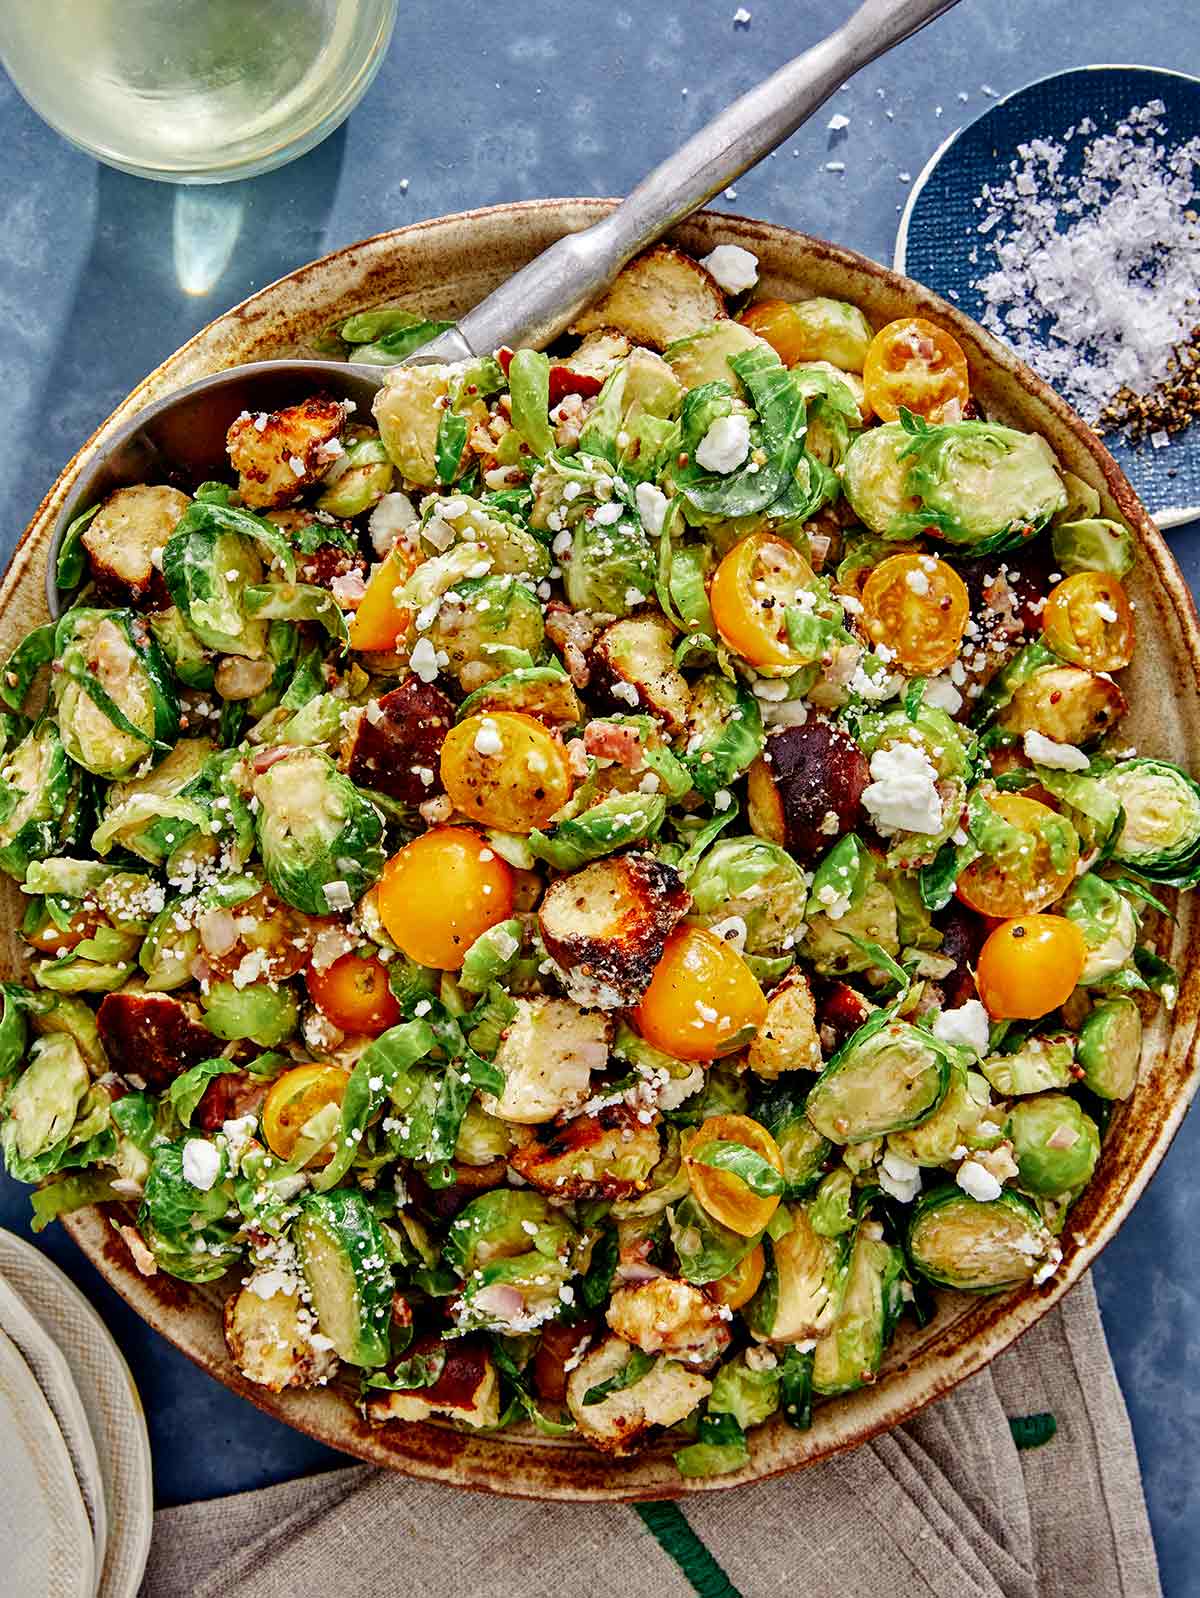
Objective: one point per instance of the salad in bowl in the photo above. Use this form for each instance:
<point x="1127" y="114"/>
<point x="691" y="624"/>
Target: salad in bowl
<point x="586" y="895"/>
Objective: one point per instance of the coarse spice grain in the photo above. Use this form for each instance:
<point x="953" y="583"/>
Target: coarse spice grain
<point x="1096" y="274"/>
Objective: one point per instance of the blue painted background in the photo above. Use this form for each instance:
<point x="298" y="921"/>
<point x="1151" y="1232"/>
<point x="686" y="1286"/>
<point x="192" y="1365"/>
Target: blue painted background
<point x="102" y="275"/>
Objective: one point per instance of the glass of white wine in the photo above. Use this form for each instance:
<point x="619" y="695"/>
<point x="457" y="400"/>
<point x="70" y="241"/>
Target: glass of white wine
<point x="194" y="91"/>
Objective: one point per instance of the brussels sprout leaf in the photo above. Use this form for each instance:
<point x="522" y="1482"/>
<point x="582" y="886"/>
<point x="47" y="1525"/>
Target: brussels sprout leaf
<point x="638" y="1365"/>
<point x="72" y="561"/>
<point x="187" y="1089"/>
<point x="34" y="651"/>
<point x="759" y="1175"/>
<point x="720" y="1447"/>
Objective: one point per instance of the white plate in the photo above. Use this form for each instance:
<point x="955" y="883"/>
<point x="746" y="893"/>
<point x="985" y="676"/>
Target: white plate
<point x="53" y="1375"/>
<point x="111" y="1401"/>
<point x="45" y="1536"/>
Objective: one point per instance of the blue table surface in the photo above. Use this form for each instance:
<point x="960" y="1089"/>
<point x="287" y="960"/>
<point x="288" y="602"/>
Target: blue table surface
<point x="102" y="275"/>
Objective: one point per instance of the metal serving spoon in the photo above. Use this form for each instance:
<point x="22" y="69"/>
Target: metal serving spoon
<point x="186" y="430"/>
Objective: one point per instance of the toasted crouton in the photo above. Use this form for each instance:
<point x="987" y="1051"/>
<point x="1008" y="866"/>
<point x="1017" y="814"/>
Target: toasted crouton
<point x="467" y="1389"/>
<point x="278" y="458"/>
<point x="270" y="1339"/>
<point x="547" y="1055"/>
<point x="617" y="1422"/>
<point x="599" y="353"/>
<point x="606" y="926"/>
<point x="632" y="666"/>
<point x="662" y="296"/>
<point x="668" y="1316"/>
<point x="787" y="1039"/>
<point x="125" y="538"/>
<point x="609" y="1155"/>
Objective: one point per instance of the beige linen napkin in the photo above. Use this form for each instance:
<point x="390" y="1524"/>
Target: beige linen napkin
<point x="945" y="1506"/>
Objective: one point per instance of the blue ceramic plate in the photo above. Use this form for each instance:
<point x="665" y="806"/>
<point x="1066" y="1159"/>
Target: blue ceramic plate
<point x="940" y="225"/>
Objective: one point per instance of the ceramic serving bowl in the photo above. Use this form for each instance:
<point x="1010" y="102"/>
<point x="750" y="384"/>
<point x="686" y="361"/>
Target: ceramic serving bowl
<point x="443" y="267"/>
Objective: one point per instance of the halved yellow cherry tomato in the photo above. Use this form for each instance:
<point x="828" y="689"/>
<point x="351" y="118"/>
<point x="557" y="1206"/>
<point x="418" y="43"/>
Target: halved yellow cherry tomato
<point x="380" y="622"/>
<point x="755" y="583"/>
<point x="725" y="1196"/>
<point x="703" y="999"/>
<point x="1029" y="967"/>
<point x="354" y="994"/>
<point x="777" y="322"/>
<point x="293" y="1099"/>
<point x="738" y="1286"/>
<point x="1088" y="620"/>
<point x="47" y="938"/>
<point x="919" y="607"/>
<point x="1034" y="867"/>
<point x="440" y="892"/>
<point x="506" y="769"/>
<point x="918" y="365"/>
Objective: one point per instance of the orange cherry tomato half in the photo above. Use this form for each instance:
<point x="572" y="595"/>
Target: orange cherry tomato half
<point x="439" y="892"/>
<point x="1088" y="620"/>
<point x="726" y="1197"/>
<point x="354" y="994"/>
<point x="738" y="1286"/>
<point x="380" y="622"/>
<point x="703" y="999"/>
<point x="753" y="586"/>
<point x="1033" y="866"/>
<point x="506" y="769"/>
<point x="293" y="1099"/>
<point x="919" y="607"/>
<point x="918" y="365"/>
<point x="777" y="322"/>
<point x="47" y="938"/>
<point x="1029" y="967"/>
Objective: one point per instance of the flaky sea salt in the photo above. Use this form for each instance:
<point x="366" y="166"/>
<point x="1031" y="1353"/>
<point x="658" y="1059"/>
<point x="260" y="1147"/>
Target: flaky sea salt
<point x="1096" y="265"/>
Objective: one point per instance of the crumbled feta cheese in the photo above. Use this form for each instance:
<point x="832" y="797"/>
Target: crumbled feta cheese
<point x="488" y="740"/>
<point x="388" y="520"/>
<point x="1055" y="756"/>
<point x="652" y="507"/>
<point x="201" y="1163"/>
<point x="733" y="930"/>
<point x="725" y="445"/>
<point x="899" y="1177"/>
<point x="941" y="693"/>
<point x="423" y="660"/>
<point x="968" y="1026"/>
<point x="337" y="895"/>
<point x="978" y="1182"/>
<point x="296" y="464"/>
<point x="735" y="269"/>
<point x="606" y="515"/>
<point x="903" y="796"/>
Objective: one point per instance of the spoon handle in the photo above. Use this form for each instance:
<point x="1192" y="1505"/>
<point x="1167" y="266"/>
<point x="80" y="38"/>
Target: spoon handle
<point x="538" y="302"/>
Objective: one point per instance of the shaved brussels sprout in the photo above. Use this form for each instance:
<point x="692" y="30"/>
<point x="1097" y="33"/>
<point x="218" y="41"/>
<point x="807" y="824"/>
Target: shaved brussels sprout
<point x="755" y="881"/>
<point x="957" y="1241"/>
<point x="749" y="1394"/>
<point x="512" y="1251"/>
<point x="318" y="837"/>
<point x="703" y="356"/>
<point x="1110" y="1048"/>
<point x="725" y="733"/>
<point x="1055" y="1144"/>
<point x="610" y="566"/>
<point x="512" y="550"/>
<point x="1034" y="1066"/>
<point x="1160" y="836"/>
<point x="1094" y="545"/>
<point x="485" y="618"/>
<point x="891" y="1075"/>
<point x="804" y="1150"/>
<point x="267" y="1016"/>
<point x="802" y="1286"/>
<point x="959" y="1121"/>
<point x="542" y="691"/>
<point x="706" y="1248"/>
<point x="616" y="822"/>
<point x="113" y="696"/>
<point x="828" y="941"/>
<point x="850" y="1353"/>
<point x="1109" y="925"/>
<point x="358" y="478"/>
<point x="630" y="424"/>
<point x="975" y="483"/>
<point x="214" y="554"/>
<point x="344" y="1260"/>
<point x="34" y="784"/>
<point x="409" y="409"/>
<point x="41" y="1106"/>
